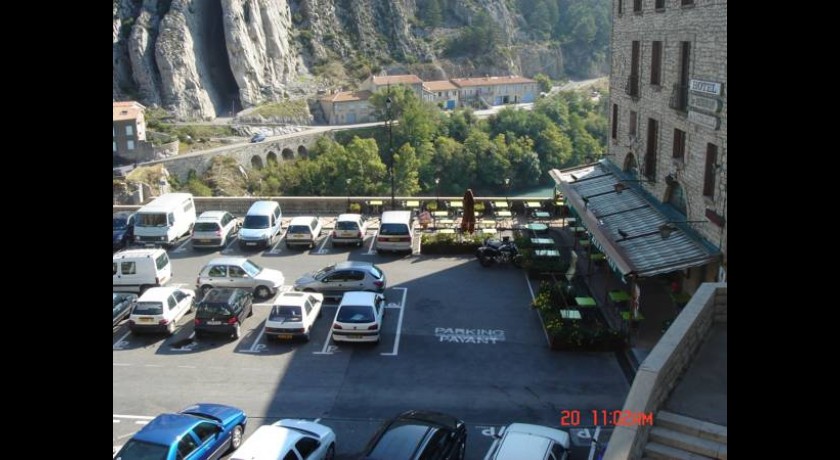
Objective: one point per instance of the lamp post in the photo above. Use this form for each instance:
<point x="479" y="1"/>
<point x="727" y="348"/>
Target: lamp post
<point x="507" y="190"/>
<point x="348" y="192"/>
<point x="390" y="146"/>
<point x="437" y="193"/>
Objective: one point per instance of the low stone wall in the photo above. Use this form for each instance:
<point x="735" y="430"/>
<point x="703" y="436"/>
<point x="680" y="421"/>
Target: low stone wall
<point x="659" y="372"/>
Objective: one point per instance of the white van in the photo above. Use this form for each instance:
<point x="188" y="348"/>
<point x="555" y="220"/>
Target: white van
<point x="165" y="219"/>
<point x="396" y="231"/>
<point x="136" y="270"/>
<point x="261" y="225"/>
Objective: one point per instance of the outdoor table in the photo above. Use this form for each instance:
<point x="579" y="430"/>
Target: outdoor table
<point x="440" y="213"/>
<point x="446" y="230"/>
<point x="533" y="204"/>
<point x="537" y="228"/>
<point x="446" y="222"/>
<point x="456" y="204"/>
<point x="585" y="301"/>
<point x="542" y="214"/>
<point x="500" y="204"/>
<point x="570" y="221"/>
<point x="619" y="296"/>
<point x="486" y="223"/>
<point x="570" y="314"/>
<point x="488" y="231"/>
<point x="578" y="229"/>
<point x="375" y="202"/>
<point x="542" y="241"/>
<point x="546" y="253"/>
<point x="412" y="204"/>
<point x="503" y="214"/>
<point x="584" y="242"/>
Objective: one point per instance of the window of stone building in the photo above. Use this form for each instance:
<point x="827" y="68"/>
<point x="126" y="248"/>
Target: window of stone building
<point x="633" y="83"/>
<point x="659" y="5"/>
<point x="679" y="144"/>
<point x="632" y="129"/>
<point x="620" y="7"/>
<point x="129" y="130"/>
<point x="615" y="121"/>
<point x="130" y="145"/>
<point x="711" y="165"/>
<point x="637" y="6"/>
<point x="687" y="2"/>
<point x="652" y="146"/>
<point x="656" y="63"/>
<point x="115" y="146"/>
<point x="676" y="196"/>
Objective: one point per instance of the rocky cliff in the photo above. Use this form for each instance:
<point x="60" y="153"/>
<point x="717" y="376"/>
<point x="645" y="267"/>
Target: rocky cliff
<point x="200" y="59"/>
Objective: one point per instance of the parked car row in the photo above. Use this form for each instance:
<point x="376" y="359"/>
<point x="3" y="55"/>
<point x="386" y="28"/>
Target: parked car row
<point x="208" y="431"/>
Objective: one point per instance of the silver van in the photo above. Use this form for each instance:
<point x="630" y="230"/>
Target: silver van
<point x="396" y="231"/>
<point x="261" y="226"/>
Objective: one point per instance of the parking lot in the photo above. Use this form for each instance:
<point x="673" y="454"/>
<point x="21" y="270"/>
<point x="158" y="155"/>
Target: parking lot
<point x="457" y="338"/>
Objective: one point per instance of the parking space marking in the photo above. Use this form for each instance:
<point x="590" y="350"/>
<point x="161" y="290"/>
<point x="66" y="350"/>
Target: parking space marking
<point x="327" y="349"/>
<point x="181" y="247"/>
<point x="322" y="249"/>
<point x="371" y="251"/>
<point x="121" y="343"/>
<point x="227" y="249"/>
<point x="399" y="322"/>
<point x="276" y="248"/>
<point x="187" y="347"/>
<point x="257" y="347"/>
<point x="496" y="438"/>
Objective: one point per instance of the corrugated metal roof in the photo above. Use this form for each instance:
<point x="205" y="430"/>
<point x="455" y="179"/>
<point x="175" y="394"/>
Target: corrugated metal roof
<point x="642" y="250"/>
<point x="490" y="81"/>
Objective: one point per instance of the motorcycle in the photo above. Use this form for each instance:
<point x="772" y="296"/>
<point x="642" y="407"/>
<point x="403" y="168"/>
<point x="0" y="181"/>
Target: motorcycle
<point x="495" y="251"/>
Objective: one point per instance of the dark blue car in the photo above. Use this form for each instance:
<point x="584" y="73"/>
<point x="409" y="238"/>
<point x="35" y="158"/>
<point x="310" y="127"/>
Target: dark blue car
<point x="201" y="431"/>
<point x="123" y="229"/>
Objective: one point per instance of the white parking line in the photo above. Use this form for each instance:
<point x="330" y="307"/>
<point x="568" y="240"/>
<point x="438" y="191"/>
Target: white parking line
<point x="327" y="348"/>
<point x="399" y="324"/>
<point x="371" y="251"/>
<point x="120" y="344"/>
<point x="257" y="347"/>
<point x="321" y="250"/>
<point x="181" y="247"/>
<point x="276" y="248"/>
<point x="133" y="417"/>
<point x="493" y="445"/>
<point x="227" y="246"/>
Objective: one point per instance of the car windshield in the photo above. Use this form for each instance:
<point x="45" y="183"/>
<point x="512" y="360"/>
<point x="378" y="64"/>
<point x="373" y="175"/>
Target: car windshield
<point x="119" y="298"/>
<point x="299" y="229"/>
<point x="153" y="219"/>
<point x="148" y="308"/>
<point x="255" y="222"/>
<point x="375" y="271"/>
<point x="141" y="450"/>
<point x="320" y="274"/>
<point x="346" y="225"/>
<point x="251" y="268"/>
<point x="120" y="223"/>
<point x="355" y="314"/>
<point x="206" y="226"/>
<point x="285" y="313"/>
<point x="393" y="229"/>
<point x="212" y="310"/>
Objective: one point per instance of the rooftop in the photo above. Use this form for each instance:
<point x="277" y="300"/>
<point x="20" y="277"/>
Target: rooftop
<point x="439" y="85"/>
<point x="347" y="96"/>
<point x="396" y="80"/>
<point x="127" y="110"/>
<point x="491" y="81"/>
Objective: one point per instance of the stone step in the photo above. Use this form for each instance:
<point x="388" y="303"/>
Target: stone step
<point x="692" y="426"/>
<point x="662" y="452"/>
<point x="688" y="442"/>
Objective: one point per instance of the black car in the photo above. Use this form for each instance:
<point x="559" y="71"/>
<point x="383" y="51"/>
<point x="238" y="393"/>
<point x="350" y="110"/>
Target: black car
<point x="222" y="311"/>
<point x="123" y="229"/>
<point x="123" y="303"/>
<point x="414" y="434"/>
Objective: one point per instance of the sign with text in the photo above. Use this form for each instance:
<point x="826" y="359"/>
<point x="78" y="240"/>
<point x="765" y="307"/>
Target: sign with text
<point x="702" y="119"/>
<point x="460" y="335"/>
<point x="704" y="103"/>
<point x="708" y="87"/>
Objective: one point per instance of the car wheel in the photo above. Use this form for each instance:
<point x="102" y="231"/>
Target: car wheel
<point x="330" y="455"/>
<point x="236" y="437"/>
<point x="262" y="292"/>
<point x="237" y="331"/>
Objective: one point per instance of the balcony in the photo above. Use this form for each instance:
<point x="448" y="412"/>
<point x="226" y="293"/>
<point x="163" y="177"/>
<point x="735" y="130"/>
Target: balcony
<point x="679" y="98"/>
<point x="632" y="87"/>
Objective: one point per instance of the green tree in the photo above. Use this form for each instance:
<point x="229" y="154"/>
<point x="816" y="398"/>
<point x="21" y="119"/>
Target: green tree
<point x="407" y="171"/>
<point x="543" y="81"/>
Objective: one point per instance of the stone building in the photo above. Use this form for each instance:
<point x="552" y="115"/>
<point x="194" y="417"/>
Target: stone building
<point x="668" y="109"/>
<point x="347" y="107"/>
<point x="492" y="91"/>
<point x="129" y="129"/>
<point x="441" y="92"/>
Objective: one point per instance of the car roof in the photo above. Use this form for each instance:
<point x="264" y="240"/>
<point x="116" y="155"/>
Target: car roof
<point x="137" y="253"/>
<point x="157" y="294"/>
<point x="358" y="297"/>
<point x="267" y="442"/>
<point x="262" y="207"/>
<point x="517" y="446"/>
<point x="211" y="215"/>
<point x="350" y="217"/>
<point x="220" y="294"/>
<point x="166" y="429"/>
<point x="352" y="264"/>
<point x="123" y="214"/>
<point x="431" y="418"/>
<point x="227" y="261"/>
<point x="291" y="298"/>
<point x="301" y="220"/>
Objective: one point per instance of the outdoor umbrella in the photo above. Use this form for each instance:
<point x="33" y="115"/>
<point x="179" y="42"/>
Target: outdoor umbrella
<point x="468" y="221"/>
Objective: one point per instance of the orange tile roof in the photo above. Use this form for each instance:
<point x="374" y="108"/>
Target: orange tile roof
<point x="396" y="80"/>
<point x="347" y="96"/>
<point x="491" y="81"/>
<point x="127" y="110"/>
<point x="439" y="85"/>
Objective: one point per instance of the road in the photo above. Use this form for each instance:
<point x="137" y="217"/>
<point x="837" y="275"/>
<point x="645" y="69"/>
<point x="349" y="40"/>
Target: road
<point x="573" y="85"/>
<point x="457" y="338"/>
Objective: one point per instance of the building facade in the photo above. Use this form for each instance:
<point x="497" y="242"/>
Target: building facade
<point x="129" y="129"/>
<point x="496" y="90"/>
<point x="347" y="107"/>
<point x="375" y="83"/>
<point x="668" y="108"/>
<point x="442" y="93"/>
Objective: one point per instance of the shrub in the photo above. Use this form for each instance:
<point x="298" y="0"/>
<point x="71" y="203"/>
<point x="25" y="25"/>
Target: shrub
<point x="449" y="244"/>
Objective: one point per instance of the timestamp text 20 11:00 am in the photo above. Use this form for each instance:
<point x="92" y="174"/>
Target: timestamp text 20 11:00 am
<point x="605" y="417"/>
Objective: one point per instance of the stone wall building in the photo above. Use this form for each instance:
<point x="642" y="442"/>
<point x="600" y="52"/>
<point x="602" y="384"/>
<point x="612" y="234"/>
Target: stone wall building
<point x="347" y="107"/>
<point x="493" y="91"/>
<point x="668" y="108"/>
<point x="129" y="128"/>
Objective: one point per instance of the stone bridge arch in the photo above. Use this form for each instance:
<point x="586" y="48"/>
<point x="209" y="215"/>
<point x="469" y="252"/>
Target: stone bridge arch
<point x="257" y="162"/>
<point x="288" y="154"/>
<point x="302" y="151"/>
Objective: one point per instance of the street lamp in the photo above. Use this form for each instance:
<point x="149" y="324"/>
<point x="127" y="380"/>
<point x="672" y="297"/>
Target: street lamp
<point x="390" y="145"/>
<point x="348" y="193"/>
<point x="437" y="193"/>
<point x="507" y="190"/>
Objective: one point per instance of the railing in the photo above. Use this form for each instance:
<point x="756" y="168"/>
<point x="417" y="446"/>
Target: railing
<point x="679" y="98"/>
<point x="632" y="87"/>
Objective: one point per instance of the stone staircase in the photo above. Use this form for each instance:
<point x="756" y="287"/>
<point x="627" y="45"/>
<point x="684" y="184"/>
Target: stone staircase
<point x="679" y="437"/>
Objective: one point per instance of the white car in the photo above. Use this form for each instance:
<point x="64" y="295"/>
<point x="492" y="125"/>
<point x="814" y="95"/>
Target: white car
<point x="349" y="228"/>
<point x="303" y="230"/>
<point x="523" y="441"/>
<point x="160" y="308"/>
<point x="239" y="272"/>
<point x="288" y="439"/>
<point x="293" y="315"/>
<point x="214" y="229"/>
<point x="359" y="317"/>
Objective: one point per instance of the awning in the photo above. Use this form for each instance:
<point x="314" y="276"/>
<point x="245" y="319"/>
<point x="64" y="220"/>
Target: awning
<point x="639" y="249"/>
